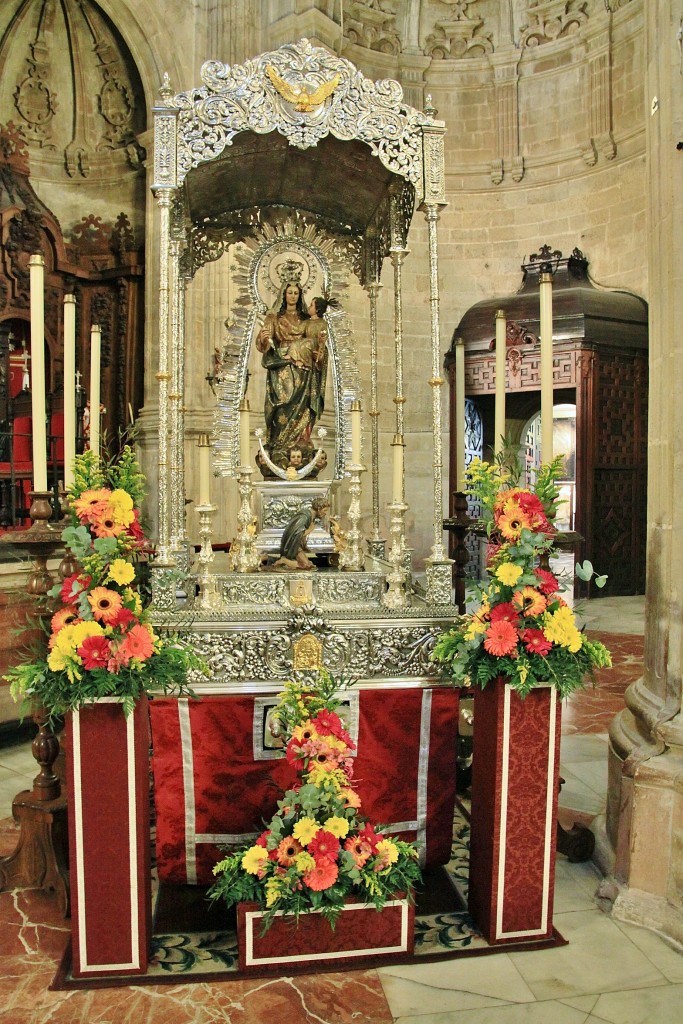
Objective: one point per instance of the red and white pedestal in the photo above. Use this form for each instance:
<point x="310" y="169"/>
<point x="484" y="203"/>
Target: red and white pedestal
<point x="361" y="933"/>
<point x="109" y="843"/>
<point x="514" y="812"/>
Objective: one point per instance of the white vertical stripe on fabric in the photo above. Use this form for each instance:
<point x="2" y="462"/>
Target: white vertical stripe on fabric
<point x="188" y="791"/>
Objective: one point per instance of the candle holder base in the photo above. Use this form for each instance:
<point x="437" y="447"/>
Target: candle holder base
<point x="352" y="558"/>
<point x="396" y="595"/>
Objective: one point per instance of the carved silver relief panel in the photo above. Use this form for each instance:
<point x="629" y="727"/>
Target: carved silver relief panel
<point x="258" y="655"/>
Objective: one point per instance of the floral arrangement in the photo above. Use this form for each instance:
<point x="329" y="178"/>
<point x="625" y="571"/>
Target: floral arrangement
<point x="522" y="629"/>
<point x="317" y="849"/>
<point x="100" y="643"/>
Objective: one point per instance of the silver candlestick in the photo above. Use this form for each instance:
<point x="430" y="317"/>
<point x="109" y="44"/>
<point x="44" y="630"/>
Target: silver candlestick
<point x="208" y="595"/>
<point x="352" y="557"/>
<point x="245" y="556"/>
<point x="396" y="596"/>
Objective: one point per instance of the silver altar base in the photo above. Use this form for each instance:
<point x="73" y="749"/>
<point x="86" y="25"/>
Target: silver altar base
<point x="278" y="501"/>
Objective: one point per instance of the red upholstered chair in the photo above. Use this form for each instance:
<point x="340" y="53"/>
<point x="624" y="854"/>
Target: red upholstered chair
<point x="57" y="435"/>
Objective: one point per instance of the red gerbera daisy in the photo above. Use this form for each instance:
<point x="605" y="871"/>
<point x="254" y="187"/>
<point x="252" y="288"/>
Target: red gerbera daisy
<point x="501" y="638"/>
<point x="94" y="651"/>
<point x="548" y="583"/>
<point x="504" y="612"/>
<point x="324" y="845"/>
<point x="73" y="586"/>
<point x="535" y="641"/>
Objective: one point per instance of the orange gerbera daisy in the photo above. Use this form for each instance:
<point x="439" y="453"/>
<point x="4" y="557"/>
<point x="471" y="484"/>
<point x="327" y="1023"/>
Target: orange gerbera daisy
<point x="529" y="601"/>
<point x="105" y="524"/>
<point x="64" y="617"/>
<point x="512" y="521"/>
<point x="91" y="503"/>
<point x="288" y="850"/>
<point x="138" y="643"/>
<point x="501" y="638"/>
<point x="105" y="604"/>
<point x="322" y="876"/>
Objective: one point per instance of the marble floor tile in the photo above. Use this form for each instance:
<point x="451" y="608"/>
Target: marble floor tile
<point x="548" y="1012"/>
<point x="598" y="958"/>
<point x="592" y="774"/>
<point x="454" y="985"/>
<point x="640" y="1006"/>
<point x="576" y="795"/>
<point x="570" y="894"/>
<point x="665" y="958"/>
<point x="576" y="748"/>
<point x="19" y="759"/>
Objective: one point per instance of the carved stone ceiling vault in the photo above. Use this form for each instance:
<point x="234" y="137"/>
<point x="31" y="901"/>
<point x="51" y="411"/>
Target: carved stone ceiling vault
<point x="70" y="86"/>
<point x="339" y="182"/>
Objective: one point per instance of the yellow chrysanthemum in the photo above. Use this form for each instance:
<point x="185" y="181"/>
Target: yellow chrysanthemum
<point x="304" y="862"/>
<point x="508" y="573"/>
<point x="121" y="572"/>
<point x="339" y="827"/>
<point x="57" y="660"/>
<point x="387" y="851"/>
<point x="559" y="628"/>
<point x="333" y="779"/>
<point x="253" y="859"/>
<point x="304" y="830"/>
<point x="121" y="505"/>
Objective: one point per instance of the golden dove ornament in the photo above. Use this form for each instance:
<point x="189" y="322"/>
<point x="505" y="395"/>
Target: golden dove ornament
<point x="303" y="100"/>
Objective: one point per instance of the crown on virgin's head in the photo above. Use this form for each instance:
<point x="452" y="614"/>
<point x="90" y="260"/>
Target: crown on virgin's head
<point x="290" y="272"/>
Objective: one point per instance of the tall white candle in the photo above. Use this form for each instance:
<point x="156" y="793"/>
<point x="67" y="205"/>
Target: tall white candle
<point x="355" y="432"/>
<point x="459" y="414"/>
<point x="245" y="454"/>
<point x="95" y="358"/>
<point x="69" y="388"/>
<point x="501" y="363"/>
<point x="397" y="445"/>
<point x="38" y="413"/>
<point x="546" y="295"/>
<point x="204" y="469"/>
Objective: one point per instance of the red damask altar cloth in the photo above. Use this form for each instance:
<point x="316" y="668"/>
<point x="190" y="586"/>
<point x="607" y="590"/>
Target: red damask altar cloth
<point x="215" y="784"/>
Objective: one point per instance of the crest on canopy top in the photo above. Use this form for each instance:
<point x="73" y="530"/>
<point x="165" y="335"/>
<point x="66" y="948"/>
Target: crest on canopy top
<point x="305" y="93"/>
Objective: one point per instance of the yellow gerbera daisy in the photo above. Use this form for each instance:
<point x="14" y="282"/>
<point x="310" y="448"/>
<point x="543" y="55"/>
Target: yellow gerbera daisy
<point x="508" y="573"/>
<point x="304" y="830"/>
<point x="121" y="572"/>
<point x="339" y="827"/>
<point x="253" y="859"/>
<point x="387" y="850"/>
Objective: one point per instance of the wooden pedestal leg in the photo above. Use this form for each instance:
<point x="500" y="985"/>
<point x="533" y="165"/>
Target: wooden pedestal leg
<point x="40" y="859"/>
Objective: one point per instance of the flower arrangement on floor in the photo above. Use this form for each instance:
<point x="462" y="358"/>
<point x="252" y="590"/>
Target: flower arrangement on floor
<point x="317" y="849"/>
<point x="523" y="629"/>
<point x="100" y="642"/>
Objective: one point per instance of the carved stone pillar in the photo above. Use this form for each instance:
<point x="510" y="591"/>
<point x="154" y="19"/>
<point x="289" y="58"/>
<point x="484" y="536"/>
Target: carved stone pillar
<point x="506" y="77"/>
<point x="645" y="807"/>
<point x="599" y="91"/>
